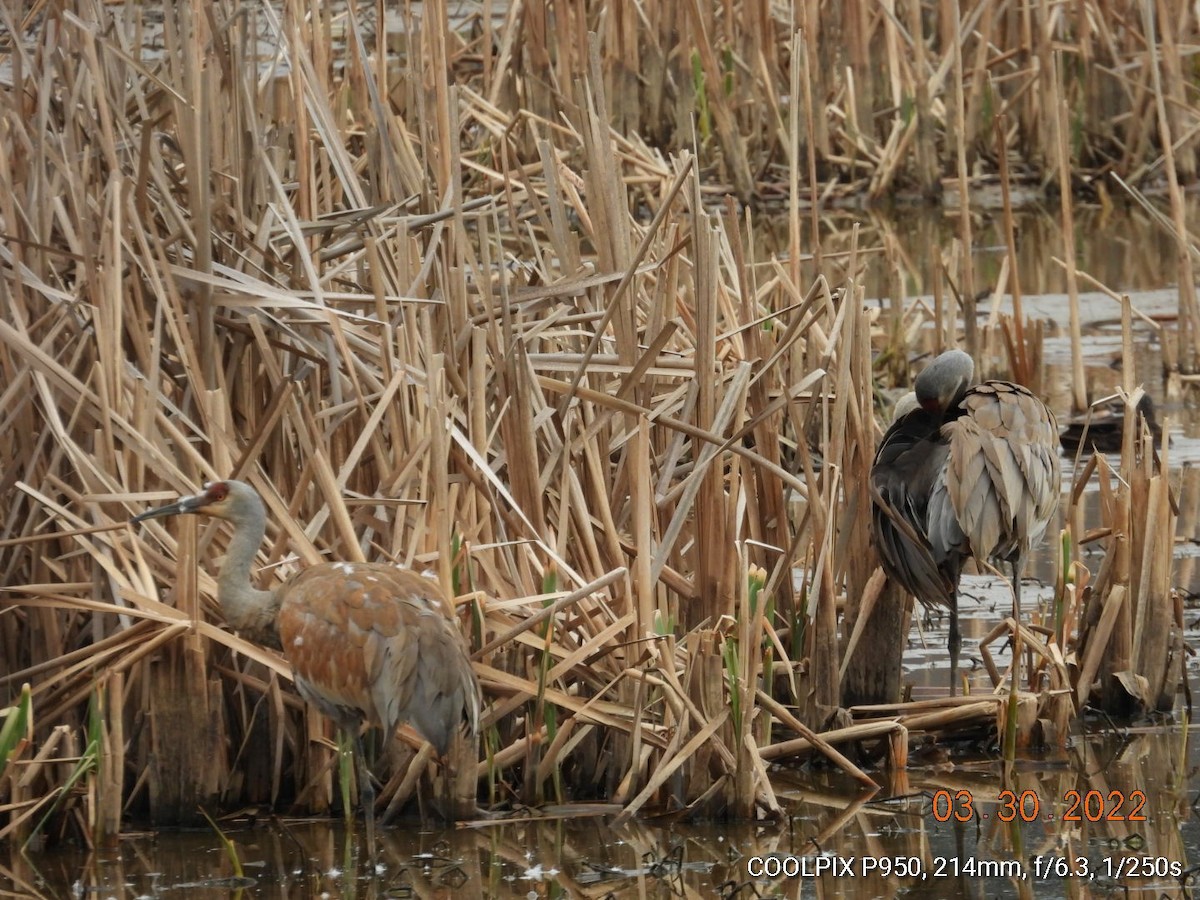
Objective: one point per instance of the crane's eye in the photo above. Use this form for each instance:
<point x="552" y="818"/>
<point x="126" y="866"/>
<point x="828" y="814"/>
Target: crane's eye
<point x="218" y="492"/>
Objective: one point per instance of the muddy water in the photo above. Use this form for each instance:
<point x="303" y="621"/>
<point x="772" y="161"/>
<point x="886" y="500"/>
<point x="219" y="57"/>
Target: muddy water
<point x="1110" y="816"/>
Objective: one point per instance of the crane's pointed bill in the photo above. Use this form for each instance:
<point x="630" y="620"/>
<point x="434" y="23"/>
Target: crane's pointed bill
<point x="183" y="505"/>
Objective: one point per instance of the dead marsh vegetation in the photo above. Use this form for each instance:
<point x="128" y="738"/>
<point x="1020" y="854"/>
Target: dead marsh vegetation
<point x="479" y="310"/>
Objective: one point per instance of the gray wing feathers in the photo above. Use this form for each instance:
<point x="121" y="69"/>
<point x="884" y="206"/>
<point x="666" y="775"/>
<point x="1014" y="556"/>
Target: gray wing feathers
<point x="429" y="682"/>
<point x="1003" y="474"/>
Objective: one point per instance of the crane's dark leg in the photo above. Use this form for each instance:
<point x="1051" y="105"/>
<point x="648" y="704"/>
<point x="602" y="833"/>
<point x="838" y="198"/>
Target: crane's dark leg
<point x="954" y="646"/>
<point x="448" y="810"/>
<point x="366" y="793"/>
<point x="1018" y="563"/>
<point x="345" y="745"/>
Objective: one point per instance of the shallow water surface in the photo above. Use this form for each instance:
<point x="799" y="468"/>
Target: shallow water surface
<point x="1114" y="808"/>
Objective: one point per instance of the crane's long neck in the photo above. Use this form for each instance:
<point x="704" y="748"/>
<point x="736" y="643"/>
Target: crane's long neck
<point x="246" y="608"/>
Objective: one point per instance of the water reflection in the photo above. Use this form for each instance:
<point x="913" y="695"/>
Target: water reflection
<point x="1115" y="809"/>
<point x="1119" y="246"/>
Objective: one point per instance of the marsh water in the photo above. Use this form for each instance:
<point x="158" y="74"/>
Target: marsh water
<point x="835" y="841"/>
<point x="1111" y="815"/>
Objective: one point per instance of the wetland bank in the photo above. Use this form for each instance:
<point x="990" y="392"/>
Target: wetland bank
<point x="564" y="306"/>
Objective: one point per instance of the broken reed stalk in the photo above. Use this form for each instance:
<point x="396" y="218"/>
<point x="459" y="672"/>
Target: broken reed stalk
<point x="1079" y="397"/>
<point x="871" y="669"/>
<point x="1017" y="357"/>
<point x="1130" y="645"/>
<point x="1189" y="306"/>
<point x="962" y="131"/>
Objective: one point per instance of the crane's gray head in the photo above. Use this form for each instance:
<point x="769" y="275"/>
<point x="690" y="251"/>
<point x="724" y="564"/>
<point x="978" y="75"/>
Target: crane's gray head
<point x="944" y="381"/>
<point x="232" y="500"/>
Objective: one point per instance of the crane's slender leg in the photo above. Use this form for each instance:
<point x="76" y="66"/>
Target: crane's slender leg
<point x="1017" y="565"/>
<point x="448" y="810"/>
<point x="345" y="755"/>
<point x="955" y="644"/>
<point x="366" y="793"/>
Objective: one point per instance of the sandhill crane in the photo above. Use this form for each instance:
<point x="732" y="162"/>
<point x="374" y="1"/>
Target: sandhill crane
<point x="962" y="471"/>
<point x="366" y="640"/>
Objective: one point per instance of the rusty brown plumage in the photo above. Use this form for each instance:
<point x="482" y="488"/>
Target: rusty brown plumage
<point x="963" y="471"/>
<point x="370" y="641"/>
<point x="367" y="641"/>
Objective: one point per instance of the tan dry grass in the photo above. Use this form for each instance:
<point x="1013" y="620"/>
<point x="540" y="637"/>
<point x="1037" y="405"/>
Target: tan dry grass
<point x="441" y="313"/>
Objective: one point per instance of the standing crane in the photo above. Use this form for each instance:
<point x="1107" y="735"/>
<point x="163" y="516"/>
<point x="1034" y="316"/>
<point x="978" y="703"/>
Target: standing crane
<point x="367" y="641"/>
<point x="963" y="471"/>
